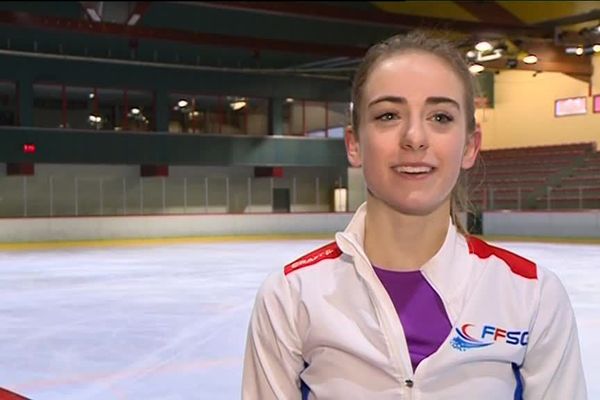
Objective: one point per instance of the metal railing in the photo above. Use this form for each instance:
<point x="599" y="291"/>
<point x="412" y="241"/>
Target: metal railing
<point x="503" y="198"/>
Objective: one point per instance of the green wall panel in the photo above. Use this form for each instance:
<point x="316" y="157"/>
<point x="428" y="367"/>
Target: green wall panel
<point x="89" y="147"/>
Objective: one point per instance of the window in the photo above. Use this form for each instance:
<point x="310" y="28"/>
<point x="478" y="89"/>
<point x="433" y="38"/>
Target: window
<point x="231" y="115"/>
<point x="571" y="106"/>
<point x="8" y="103"/>
<point x="48" y="106"/>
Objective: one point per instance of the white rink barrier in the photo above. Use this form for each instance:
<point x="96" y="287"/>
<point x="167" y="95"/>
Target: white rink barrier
<point x="14" y="230"/>
<point x="580" y="224"/>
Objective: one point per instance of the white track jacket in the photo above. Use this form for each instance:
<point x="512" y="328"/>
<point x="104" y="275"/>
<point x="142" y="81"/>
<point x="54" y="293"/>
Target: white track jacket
<point x="325" y="328"/>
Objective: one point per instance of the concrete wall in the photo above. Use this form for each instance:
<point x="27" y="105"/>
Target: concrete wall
<point x="549" y="224"/>
<point x="99" y="228"/>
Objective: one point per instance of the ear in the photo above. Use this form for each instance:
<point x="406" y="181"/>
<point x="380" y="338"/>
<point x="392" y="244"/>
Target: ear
<point x="352" y="147"/>
<point x="472" y="148"/>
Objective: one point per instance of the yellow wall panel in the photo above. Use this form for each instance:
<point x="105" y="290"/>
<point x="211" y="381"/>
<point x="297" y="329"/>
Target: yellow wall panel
<point x="532" y="12"/>
<point x="524" y="111"/>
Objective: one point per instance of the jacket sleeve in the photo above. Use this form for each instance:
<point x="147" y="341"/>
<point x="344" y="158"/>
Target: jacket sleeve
<point x="552" y="368"/>
<point x="273" y="358"/>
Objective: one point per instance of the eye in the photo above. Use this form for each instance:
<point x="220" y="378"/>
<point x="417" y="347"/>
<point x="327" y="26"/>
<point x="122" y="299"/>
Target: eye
<point x="443" y="118"/>
<point x="388" y="116"/>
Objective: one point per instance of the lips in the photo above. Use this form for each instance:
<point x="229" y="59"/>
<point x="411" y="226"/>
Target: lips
<point x="413" y="169"/>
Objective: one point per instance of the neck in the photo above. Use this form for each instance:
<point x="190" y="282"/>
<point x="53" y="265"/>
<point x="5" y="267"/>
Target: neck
<point x="401" y="242"/>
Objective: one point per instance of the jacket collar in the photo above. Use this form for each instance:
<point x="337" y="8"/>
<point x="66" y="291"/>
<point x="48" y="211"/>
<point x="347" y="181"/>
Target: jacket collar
<point x="446" y="271"/>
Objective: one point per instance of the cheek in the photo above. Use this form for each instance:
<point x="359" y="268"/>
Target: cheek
<point x="375" y="148"/>
<point x="451" y="150"/>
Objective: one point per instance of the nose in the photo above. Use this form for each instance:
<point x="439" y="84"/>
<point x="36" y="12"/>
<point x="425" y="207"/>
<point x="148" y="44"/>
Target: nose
<point x="414" y="136"/>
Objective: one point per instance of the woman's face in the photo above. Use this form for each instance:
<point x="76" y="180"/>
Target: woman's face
<point x="412" y="133"/>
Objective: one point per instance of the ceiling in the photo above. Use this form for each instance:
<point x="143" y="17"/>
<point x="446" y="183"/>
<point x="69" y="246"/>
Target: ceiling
<point x="324" y="39"/>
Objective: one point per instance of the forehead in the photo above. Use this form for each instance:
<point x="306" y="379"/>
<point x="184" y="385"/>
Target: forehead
<point x="414" y="75"/>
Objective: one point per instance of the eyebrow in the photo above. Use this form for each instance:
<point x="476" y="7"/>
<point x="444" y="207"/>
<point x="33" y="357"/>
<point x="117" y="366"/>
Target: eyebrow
<point x="401" y="100"/>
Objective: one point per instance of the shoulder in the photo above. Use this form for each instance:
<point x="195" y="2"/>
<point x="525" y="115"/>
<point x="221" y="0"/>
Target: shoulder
<point x="278" y="283"/>
<point x="327" y="252"/>
<point x="518" y="265"/>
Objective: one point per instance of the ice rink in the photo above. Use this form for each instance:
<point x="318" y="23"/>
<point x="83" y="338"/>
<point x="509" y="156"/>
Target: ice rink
<point x="169" y="322"/>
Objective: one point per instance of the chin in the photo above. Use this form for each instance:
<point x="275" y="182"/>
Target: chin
<point x="414" y="207"/>
<point x="418" y="210"/>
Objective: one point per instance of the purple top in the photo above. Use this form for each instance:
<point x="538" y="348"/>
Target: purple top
<point x="421" y="311"/>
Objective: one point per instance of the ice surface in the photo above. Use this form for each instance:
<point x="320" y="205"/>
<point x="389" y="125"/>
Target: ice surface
<point x="169" y="322"/>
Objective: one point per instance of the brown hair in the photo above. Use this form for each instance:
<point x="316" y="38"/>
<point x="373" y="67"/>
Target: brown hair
<point x="444" y="49"/>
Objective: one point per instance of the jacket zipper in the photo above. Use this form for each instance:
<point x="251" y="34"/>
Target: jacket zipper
<point x="406" y="373"/>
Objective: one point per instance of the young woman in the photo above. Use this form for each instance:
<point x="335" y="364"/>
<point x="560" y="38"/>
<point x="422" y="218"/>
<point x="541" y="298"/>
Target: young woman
<point x="405" y="304"/>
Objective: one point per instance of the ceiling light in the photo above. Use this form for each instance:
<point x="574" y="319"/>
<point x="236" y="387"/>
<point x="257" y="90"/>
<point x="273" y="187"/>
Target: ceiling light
<point x="530" y="59"/>
<point x="289" y="100"/>
<point x="92" y="95"/>
<point x="237" y="105"/>
<point x="484" y="46"/>
<point x="497" y="54"/>
<point x="182" y="103"/>
<point x="579" y="51"/>
<point x="596" y="48"/>
<point x="135" y="111"/>
<point x="476" y="68"/>
<point x="471" y="54"/>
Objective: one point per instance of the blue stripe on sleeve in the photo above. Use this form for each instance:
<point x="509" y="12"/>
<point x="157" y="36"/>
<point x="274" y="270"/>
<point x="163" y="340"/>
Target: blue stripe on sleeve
<point x="519" y="388"/>
<point x="304" y="389"/>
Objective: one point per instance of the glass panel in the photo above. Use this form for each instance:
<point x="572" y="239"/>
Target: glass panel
<point x="174" y="195"/>
<point x="83" y="109"/>
<point x="47" y="106"/>
<point x="152" y="192"/>
<point x="234" y="116"/>
<point x="11" y="196"/>
<point x="140" y="114"/>
<point x="295" y="117"/>
<point x="315" y="118"/>
<point x="196" y="194"/>
<point x="8" y="103"/>
<point x="112" y="196"/>
<point x="257" y="117"/>
<point x="88" y="196"/>
<point x="217" y="195"/>
<point x="261" y="195"/>
<point x="338" y="119"/>
<point x="63" y="195"/>
<point x="287" y="111"/>
<point x="110" y="108"/>
<point x="238" y="194"/>
<point x="38" y="196"/>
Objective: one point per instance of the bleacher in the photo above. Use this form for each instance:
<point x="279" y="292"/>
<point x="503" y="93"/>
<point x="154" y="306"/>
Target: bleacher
<point x="579" y="190"/>
<point x="521" y="178"/>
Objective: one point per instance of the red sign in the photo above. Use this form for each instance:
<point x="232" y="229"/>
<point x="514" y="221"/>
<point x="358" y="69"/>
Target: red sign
<point x="29" y="148"/>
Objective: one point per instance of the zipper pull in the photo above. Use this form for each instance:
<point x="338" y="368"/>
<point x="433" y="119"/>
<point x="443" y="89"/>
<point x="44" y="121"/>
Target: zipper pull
<point x="409" y="383"/>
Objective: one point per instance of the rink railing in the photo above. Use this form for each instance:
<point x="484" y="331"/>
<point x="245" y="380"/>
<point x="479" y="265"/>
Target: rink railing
<point x="520" y="198"/>
<point x="59" y="196"/>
